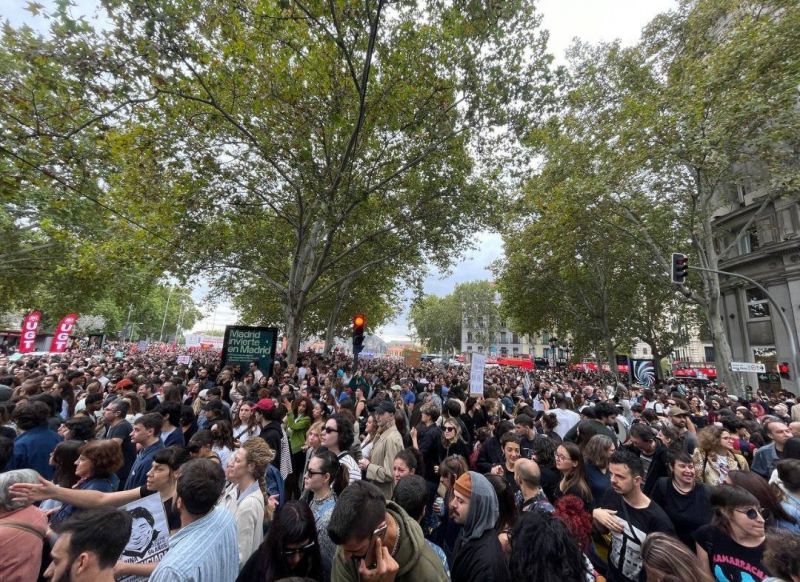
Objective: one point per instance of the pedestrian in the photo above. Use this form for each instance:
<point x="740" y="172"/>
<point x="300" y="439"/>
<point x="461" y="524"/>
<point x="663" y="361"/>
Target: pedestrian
<point x="145" y="434"/>
<point x="246" y="495"/>
<point x="324" y="479"/>
<point x="732" y="545"/>
<point x="88" y="545"/>
<point x="380" y="466"/>
<point x="378" y="540"/>
<point x="337" y="436"/>
<point x="22" y="530"/>
<point x="36" y="441"/>
<point x="629" y="515"/>
<point x="289" y="550"/>
<point x="478" y="554"/>
<point x="666" y="557"/>
<point x="205" y="548"/>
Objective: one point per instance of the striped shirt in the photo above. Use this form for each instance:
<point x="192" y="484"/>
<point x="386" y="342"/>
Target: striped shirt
<point x="203" y="551"/>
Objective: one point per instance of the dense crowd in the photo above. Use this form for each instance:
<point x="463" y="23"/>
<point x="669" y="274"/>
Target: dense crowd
<point x="315" y="471"/>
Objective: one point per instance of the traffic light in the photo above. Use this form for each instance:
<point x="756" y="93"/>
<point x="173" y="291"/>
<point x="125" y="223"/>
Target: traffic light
<point x="680" y="268"/>
<point x="783" y="370"/>
<point x="358" y="335"/>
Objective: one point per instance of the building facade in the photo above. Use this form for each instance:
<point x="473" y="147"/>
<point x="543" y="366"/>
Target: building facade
<point x="764" y="241"/>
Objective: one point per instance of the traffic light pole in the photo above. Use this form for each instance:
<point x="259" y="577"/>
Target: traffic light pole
<point x="786" y="325"/>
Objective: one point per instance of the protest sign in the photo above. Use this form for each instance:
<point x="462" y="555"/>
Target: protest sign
<point x="476" y="374"/>
<point x="244" y="344"/>
<point x="149" y="539"/>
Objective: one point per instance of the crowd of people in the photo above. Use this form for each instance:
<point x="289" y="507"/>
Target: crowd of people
<point x="313" y="470"/>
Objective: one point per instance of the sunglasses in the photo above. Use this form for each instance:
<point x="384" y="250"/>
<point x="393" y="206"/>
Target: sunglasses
<point x="449" y="429"/>
<point x="329" y="429"/>
<point x="301" y="550"/>
<point x="753" y="513"/>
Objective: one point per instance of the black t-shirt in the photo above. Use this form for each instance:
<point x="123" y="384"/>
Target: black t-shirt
<point x="151" y="403"/>
<point x="122" y="430"/>
<point x="687" y="512"/>
<point x="625" y="557"/>
<point x="170" y="509"/>
<point x="729" y="560"/>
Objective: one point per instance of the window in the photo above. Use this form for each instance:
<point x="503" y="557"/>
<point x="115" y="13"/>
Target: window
<point x="757" y="303"/>
<point x="515" y="350"/>
<point x="644" y="351"/>
<point x="469" y="348"/>
<point x="503" y="337"/>
<point x="749" y="241"/>
<point x="504" y="351"/>
<point x="469" y="336"/>
<point x="514" y="338"/>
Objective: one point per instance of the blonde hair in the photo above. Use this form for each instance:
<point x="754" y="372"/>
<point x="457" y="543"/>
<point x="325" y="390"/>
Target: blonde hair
<point x="258" y="452"/>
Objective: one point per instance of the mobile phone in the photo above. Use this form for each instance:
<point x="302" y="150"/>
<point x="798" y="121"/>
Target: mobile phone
<point x="370" y="557"/>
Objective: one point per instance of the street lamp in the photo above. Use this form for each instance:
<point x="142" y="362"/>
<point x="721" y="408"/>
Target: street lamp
<point x="553" y="343"/>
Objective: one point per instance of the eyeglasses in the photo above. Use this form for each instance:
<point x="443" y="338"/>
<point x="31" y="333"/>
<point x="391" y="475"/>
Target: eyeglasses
<point x="301" y="550"/>
<point x="560" y="457"/>
<point x="329" y="429"/>
<point x="753" y="513"/>
<point x="310" y="473"/>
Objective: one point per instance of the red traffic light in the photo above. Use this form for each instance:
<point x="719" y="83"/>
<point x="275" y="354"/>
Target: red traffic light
<point x="359" y="320"/>
<point x="783" y="369"/>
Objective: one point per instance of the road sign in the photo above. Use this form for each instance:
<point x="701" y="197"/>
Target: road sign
<point x="748" y="367"/>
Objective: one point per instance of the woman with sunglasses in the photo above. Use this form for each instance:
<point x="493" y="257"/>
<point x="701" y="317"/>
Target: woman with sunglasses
<point x="453" y="442"/>
<point x="337" y="437"/>
<point x="324" y="479"/>
<point x="733" y="543"/>
<point x="290" y="549"/>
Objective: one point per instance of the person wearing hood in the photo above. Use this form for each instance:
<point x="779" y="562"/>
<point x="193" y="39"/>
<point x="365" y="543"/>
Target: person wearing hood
<point x="477" y="555"/>
<point x="378" y="541"/>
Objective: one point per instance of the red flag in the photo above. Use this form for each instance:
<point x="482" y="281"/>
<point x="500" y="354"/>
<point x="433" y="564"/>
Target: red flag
<point x="30" y="324"/>
<point x="64" y="328"/>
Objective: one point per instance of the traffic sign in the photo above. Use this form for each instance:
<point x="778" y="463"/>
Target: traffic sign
<point x="748" y="367"/>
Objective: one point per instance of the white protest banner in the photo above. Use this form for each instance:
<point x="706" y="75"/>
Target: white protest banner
<point x="476" y="374"/>
<point x="149" y="539"/>
<point x="185" y="360"/>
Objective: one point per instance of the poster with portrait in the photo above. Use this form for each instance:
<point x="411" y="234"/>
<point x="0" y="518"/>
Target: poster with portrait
<point x="149" y="534"/>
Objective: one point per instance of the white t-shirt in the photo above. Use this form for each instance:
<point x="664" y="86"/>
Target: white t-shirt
<point x="566" y="420"/>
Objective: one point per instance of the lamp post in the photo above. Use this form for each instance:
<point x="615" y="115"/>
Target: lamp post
<point x="553" y="360"/>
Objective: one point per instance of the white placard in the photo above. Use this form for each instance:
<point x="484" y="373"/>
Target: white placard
<point x="149" y="539"/>
<point x="185" y="360"/>
<point x="748" y="367"/>
<point x="476" y="374"/>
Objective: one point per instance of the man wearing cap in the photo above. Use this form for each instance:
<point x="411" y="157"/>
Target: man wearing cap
<point x="679" y="418"/>
<point x="379" y="466"/>
<point x="477" y="554"/>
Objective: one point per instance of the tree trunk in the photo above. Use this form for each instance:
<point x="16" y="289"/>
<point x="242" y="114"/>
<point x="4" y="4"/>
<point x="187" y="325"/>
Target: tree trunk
<point x="294" y="327"/>
<point x="330" y="331"/>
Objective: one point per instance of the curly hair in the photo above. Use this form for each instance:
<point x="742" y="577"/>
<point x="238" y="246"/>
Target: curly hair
<point x="105" y="455"/>
<point x="258" y="452"/>
<point x="543" y="550"/>
<point x="709" y="439"/>
<point x="544" y="451"/>
<point x="344" y="424"/>
<point x="571" y="510"/>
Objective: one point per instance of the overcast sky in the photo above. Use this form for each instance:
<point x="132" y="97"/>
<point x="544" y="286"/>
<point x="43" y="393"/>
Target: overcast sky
<point x="590" y="20"/>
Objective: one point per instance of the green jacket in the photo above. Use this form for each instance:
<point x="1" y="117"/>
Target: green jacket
<point x="418" y="563"/>
<point x="297" y="431"/>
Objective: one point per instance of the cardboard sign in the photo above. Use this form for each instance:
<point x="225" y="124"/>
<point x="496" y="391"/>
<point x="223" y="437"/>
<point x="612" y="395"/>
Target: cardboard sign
<point x="476" y="374"/>
<point x="244" y="344"/>
<point x="149" y="539"/>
